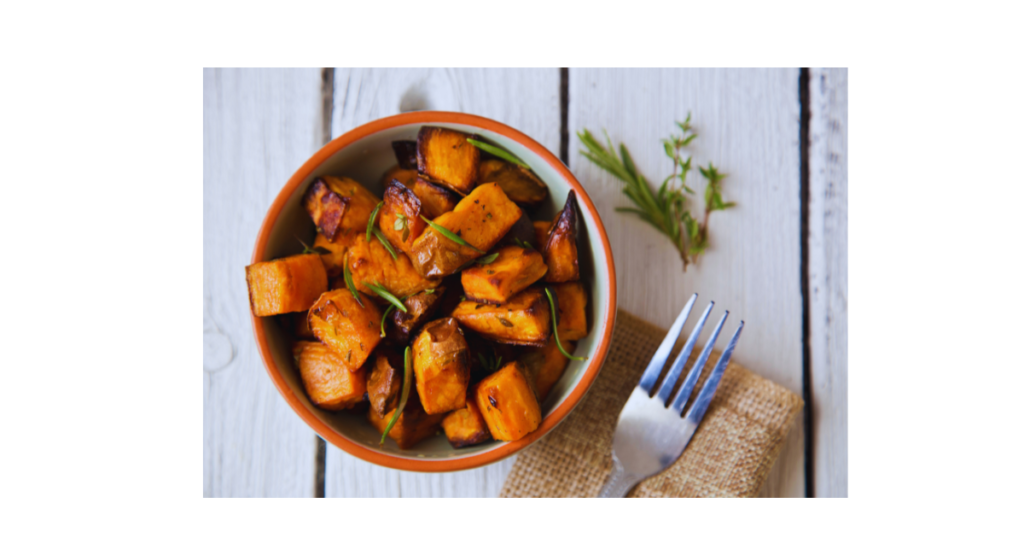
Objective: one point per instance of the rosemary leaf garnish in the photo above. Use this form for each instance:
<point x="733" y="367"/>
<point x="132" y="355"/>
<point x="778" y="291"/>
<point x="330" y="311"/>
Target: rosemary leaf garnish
<point x="406" y="383"/>
<point x="494" y="150"/>
<point x="306" y="249"/>
<point x="554" y="327"/>
<point x="448" y="233"/>
<point x="665" y="209"/>
<point x="487" y="259"/>
<point x="373" y="220"/>
<point x="384" y="241"/>
<point x="430" y="291"/>
<point x="523" y="244"/>
<point x="384" y="319"/>
<point x="387" y="296"/>
<point x="351" y="285"/>
<point x="490" y="364"/>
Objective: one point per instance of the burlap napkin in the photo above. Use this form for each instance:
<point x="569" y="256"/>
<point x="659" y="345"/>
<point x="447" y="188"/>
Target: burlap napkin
<point x="729" y="456"/>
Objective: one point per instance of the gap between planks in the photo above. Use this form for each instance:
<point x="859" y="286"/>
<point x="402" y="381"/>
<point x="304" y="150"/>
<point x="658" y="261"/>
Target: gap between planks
<point x="805" y="288"/>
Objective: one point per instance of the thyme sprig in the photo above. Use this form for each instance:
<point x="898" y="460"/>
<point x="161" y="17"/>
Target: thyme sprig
<point x="665" y="210"/>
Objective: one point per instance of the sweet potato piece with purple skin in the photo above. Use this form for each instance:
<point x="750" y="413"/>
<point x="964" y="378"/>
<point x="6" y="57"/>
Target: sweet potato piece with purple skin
<point x="420" y="308"/>
<point x="329" y="383"/>
<point x="571" y="298"/>
<point x="440" y="358"/>
<point x="405" y="153"/>
<point x="401" y="209"/>
<point x="384" y="384"/>
<point x="337" y="204"/>
<point x="412" y="426"/>
<point x="446" y="157"/>
<point x="524" y="320"/>
<point x="466" y="427"/>
<point x="511" y="272"/>
<point x="520" y="184"/>
<point x="508" y="403"/>
<point x="480" y="219"/>
<point x="285" y="285"/>
<point x="560" y="248"/>
<point x="546" y="366"/>
<point x="435" y="199"/>
<point x="349" y="330"/>
<point x="372" y="263"/>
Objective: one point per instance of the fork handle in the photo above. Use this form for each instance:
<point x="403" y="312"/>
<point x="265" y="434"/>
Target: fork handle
<point x="619" y="482"/>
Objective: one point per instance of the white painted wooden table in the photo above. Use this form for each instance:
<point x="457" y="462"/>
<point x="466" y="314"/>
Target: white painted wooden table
<point x="778" y="260"/>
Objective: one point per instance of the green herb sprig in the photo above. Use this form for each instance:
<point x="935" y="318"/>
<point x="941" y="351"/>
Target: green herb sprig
<point x="521" y="243"/>
<point x="350" y="284"/>
<point x="306" y="249"/>
<point x="387" y="296"/>
<point x="665" y="209"/>
<point x="554" y="328"/>
<point x="487" y="259"/>
<point x="491" y="364"/>
<point x="384" y="241"/>
<point x="373" y="220"/>
<point x="406" y="384"/>
<point x="498" y="152"/>
<point x="448" y="233"/>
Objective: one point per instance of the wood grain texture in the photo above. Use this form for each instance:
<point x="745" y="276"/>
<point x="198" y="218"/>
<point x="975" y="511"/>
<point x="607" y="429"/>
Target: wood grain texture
<point x="827" y="223"/>
<point x="748" y="125"/>
<point x="259" y="126"/>
<point x="527" y="100"/>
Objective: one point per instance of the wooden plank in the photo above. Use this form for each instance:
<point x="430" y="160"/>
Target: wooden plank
<point x="526" y="99"/>
<point x="827" y="223"/>
<point x="748" y="123"/>
<point x="259" y="126"/>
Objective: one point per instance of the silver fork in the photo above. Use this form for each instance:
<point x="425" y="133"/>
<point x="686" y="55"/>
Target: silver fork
<point x="650" y="434"/>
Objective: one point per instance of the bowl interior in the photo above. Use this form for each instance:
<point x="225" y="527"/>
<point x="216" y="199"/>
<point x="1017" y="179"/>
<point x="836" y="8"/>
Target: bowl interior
<point x="366" y="160"/>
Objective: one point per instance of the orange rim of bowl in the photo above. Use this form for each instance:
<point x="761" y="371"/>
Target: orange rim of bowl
<point x="456" y="463"/>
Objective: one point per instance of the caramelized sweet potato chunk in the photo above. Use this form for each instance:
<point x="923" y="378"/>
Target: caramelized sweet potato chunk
<point x="349" y="330"/>
<point x="560" y="247"/>
<point x="384" y="385"/>
<point x="285" y="285"/>
<point x="525" y="319"/>
<point x="511" y="272"/>
<point x="520" y="184"/>
<point x="440" y="359"/>
<point x="546" y="366"/>
<point x="444" y="156"/>
<point x="337" y="204"/>
<point x="405" y="153"/>
<point x="508" y="403"/>
<point x="372" y="263"/>
<point x="400" y="216"/>
<point x="412" y="426"/>
<point x="436" y="200"/>
<point x="572" y="310"/>
<point x="466" y="426"/>
<point x="480" y="219"/>
<point x="420" y="307"/>
<point x="329" y="383"/>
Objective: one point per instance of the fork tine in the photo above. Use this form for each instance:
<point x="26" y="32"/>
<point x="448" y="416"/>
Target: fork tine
<point x="700" y="406"/>
<point x="677" y="367"/>
<point x="661" y="355"/>
<point x="698" y="367"/>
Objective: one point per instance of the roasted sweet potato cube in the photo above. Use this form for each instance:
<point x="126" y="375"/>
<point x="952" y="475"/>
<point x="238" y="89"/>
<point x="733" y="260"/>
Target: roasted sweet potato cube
<point x="540" y="230"/>
<point x="520" y="184"/>
<point x="285" y="285"/>
<point x="405" y="153"/>
<point x="440" y="359"/>
<point x="412" y="426"/>
<point x="480" y="219"/>
<point x="384" y="384"/>
<point x="508" y="403"/>
<point x="399" y="174"/>
<point x="420" y="308"/>
<point x="560" y="248"/>
<point x="435" y="199"/>
<point x="329" y="383"/>
<point x="511" y="272"/>
<point x="350" y="330"/>
<point x="445" y="157"/>
<point x="466" y="426"/>
<point x="524" y="320"/>
<point x="546" y="366"/>
<point x="371" y="263"/>
<point x="400" y="216"/>
<point x="572" y="310"/>
<point x="333" y="262"/>
<point x="337" y="204"/>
